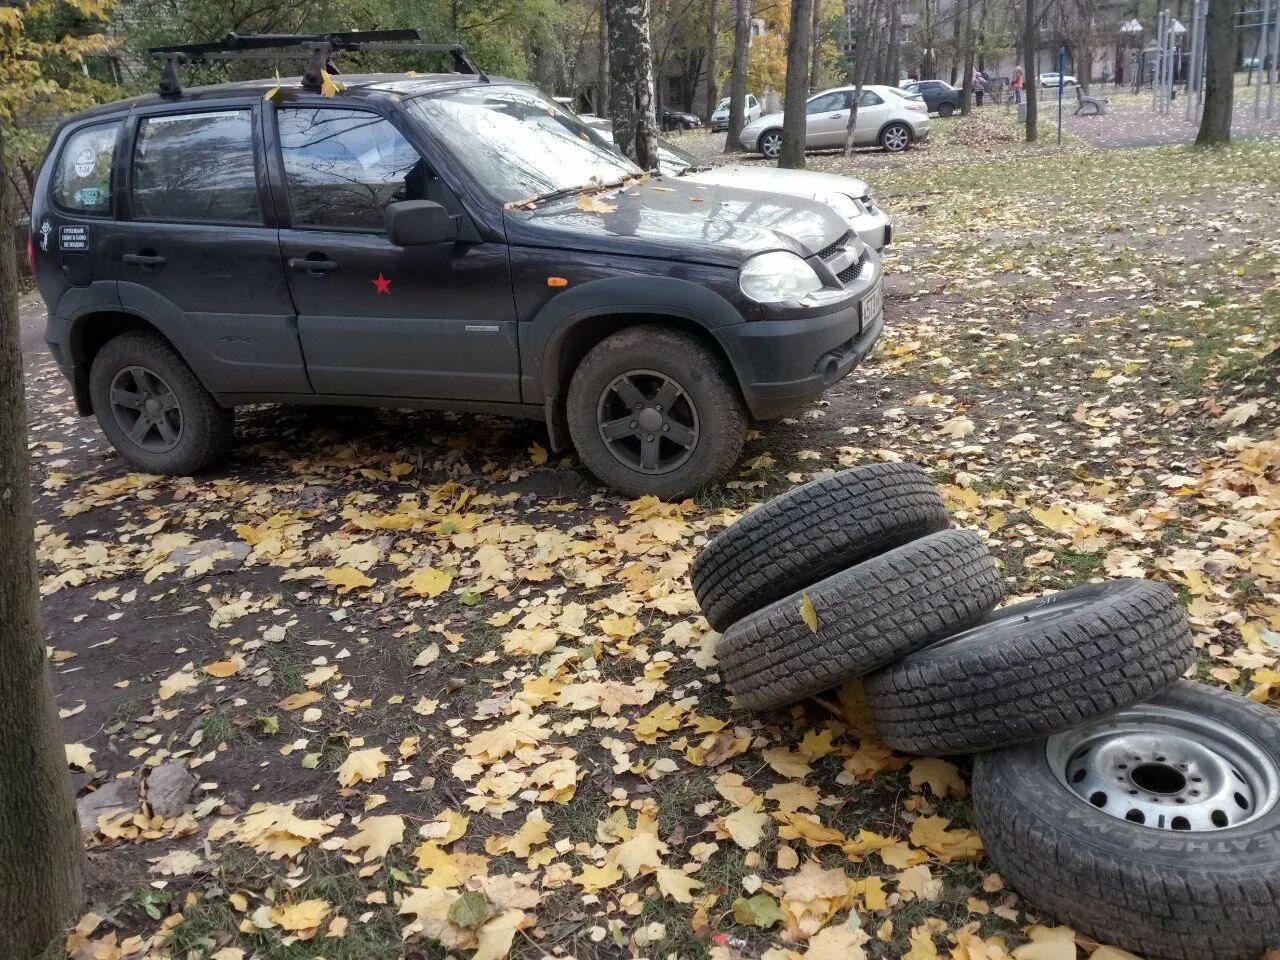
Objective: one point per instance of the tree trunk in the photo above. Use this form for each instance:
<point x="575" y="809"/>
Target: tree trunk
<point x="40" y="849"/>
<point x="1030" y="80"/>
<point x="956" y="14"/>
<point x="862" y="53"/>
<point x="966" y="88"/>
<point x="713" y="29"/>
<point x="797" y="87"/>
<point x="815" y="40"/>
<point x="631" y="81"/>
<point x="602" y="68"/>
<point x="893" y="58"/>
<point x="738" y="74"/>
<point x="1219" y="69"/>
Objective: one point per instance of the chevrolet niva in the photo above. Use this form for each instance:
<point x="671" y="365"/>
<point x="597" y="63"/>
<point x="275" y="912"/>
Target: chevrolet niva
<point x="445" y="241"/>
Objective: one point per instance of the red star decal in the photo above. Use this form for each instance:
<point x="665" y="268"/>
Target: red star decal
<point x="382" y="283"/>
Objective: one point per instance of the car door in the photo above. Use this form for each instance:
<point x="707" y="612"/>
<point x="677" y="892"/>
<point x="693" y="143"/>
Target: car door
<point x="753" y="108"/>
<point x="873" y="113"/>
<point x="435" y="321"/>
<point x="194" y="253"/>
<point x="826" y="118"/>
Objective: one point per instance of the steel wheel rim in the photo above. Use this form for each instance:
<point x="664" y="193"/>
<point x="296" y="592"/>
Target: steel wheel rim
<point x="647" y="422"/>
<point x="771" y="144"/>
<point x="895" y="139"/>
<point x="1166" y="769"/>
<point x="145" y="407"/>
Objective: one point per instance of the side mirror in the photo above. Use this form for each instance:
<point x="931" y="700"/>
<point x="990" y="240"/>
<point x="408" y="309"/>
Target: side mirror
<point x="412" y="223"/>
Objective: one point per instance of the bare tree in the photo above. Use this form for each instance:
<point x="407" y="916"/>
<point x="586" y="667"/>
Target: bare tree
<point x="602" y="69"/>
<point x="1219" y="69"/>
<point x="862" y="53"/>
<point x="713" y="28"/>
<point x="631" y="81"/>
<point x="966" y="87"/>
<point x="797" y="89"/>
<point x="1030" y="81"/>
<point x="815" y="41"/>
<point x="738" y="74"/>
<point x="40" y="849"/>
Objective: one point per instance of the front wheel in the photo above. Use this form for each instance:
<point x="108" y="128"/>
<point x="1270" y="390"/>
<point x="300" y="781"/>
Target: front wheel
<point x="154" y="410"/>
<point x="895" y="138"/>
<point x="770" y="144"/>
<point x="653" y="411"/>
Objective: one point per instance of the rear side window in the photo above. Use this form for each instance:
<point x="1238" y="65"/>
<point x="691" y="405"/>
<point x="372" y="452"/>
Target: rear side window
<point x="196" y="167"/>
<point x="869" y="99"/>
<point x="344" y="166"/>
<point x="82" y="178"/>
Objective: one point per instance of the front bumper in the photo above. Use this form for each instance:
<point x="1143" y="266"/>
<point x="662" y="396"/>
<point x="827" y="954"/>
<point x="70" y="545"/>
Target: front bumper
<point x="874" y="228"/>
<point x="781" y="363"/>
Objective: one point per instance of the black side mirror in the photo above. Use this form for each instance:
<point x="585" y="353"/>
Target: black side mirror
<point x="412" y="223"/>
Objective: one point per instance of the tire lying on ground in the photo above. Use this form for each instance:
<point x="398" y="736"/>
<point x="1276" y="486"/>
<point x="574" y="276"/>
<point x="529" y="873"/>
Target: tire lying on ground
<point x="811" y="532"/>
<point x="866" y="616"/>
<point x="1034" y="669"/>
<point x="1155" y="829"/>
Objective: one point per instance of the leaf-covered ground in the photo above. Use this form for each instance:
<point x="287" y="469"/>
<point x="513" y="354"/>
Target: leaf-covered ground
<point x="441" y="694"/>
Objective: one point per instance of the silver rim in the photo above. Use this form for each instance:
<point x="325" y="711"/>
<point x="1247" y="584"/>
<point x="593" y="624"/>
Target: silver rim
<point x="1166" y="769"/>
<point x="647" y="421"/>
<point x="895" y="139"/>
<point x="771" y="144"/>
<point x="146" y="409"/>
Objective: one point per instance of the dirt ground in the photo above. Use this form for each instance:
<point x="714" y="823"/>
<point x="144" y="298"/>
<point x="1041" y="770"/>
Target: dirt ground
<point x="388" y="627"/>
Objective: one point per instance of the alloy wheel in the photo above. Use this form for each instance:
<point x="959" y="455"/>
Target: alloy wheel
<point x="895" y="138"/>
<point x="146" y="409"/>
<point x="1166" y="769"/>
<point x="771" y="144"/>
<point x="647" y="421"/>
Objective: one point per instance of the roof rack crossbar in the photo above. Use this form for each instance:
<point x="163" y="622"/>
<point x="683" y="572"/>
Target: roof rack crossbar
<point x="318" y="49"/>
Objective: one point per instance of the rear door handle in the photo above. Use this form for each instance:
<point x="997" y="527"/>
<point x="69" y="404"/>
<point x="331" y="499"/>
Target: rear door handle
<point x="314" y="266"/>
<point x="143" y="259"/>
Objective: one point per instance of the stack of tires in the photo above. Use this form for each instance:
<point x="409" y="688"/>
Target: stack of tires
<point x="1140" y="808"/>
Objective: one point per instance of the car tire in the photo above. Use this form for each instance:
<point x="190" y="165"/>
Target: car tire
<point x="770" y="144"/>
<point x="640" y="365"/>
<point x="811" y="532"/>
<point x="179" y="428"/>
<point x="867" y="616"/>
<point x="895" y="137"/>
<point x="1034" y="669"/>
<point x="1205" y="887"/>
<point x="946" y="109"/>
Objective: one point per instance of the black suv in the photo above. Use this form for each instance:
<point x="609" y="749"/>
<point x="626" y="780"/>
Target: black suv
<point x="446" y="241"/>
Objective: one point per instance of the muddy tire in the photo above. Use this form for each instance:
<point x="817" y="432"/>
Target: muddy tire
<point x="1185" y="888"/>
<point x="653" y="411"/>
<point x="154" y="409"/>
<point x="1034" y="669"/>
<point x="868" y="615"/>
<point x="811" y="532"/>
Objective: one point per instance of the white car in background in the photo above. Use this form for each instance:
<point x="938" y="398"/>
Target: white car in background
<point x="720" y="116"/>
<point x="848" y="197"/>
<point x="1051" y="80"/>
<point x="887" y="116"/>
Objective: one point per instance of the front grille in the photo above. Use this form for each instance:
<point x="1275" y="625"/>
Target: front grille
<point x="852" y="271"/>
<point x="827" y="252"/>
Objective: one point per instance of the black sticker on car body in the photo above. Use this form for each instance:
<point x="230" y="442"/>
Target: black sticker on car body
<point x="73" y="238"/>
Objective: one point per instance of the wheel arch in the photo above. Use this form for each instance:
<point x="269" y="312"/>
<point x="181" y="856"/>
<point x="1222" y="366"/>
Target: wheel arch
<point x="89" y="333"/>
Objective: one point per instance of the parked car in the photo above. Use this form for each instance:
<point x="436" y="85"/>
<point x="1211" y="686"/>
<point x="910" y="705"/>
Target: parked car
<point x="679" y="120"/>
<point x="939" y="96"/>
<point x="886" y="116"/>
<point x="433" y="240"/>
<point x="1051" y="80"/>
<point x="848" y="197"/>
<point x="720" y="117"/>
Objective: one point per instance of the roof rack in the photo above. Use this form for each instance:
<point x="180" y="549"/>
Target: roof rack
<point x="317" y="48"/>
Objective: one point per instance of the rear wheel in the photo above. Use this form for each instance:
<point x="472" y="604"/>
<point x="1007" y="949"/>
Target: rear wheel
<point x="770" y="144"/>
<point x="946" y="109"/>
<point x="653" y="411"/>
<point x="896" y="137"/>
<point x="154" y="410"/>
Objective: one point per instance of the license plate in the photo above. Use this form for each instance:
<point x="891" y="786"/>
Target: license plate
<point x="873" y="307"/>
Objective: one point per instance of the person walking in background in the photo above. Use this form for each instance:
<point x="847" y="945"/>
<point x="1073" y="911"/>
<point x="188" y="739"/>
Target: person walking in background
<point x="979" y="85"/>
<point x="1017" y="84"/>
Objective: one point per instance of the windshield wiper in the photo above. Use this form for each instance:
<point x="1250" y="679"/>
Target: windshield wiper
<point x="570" y="191"/>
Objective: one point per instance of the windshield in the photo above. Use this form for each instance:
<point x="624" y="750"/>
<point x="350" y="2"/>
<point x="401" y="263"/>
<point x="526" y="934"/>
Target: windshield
<point x="517" y="144"/>
<point x="722" y="105"/>
<point x="672" y="161"/>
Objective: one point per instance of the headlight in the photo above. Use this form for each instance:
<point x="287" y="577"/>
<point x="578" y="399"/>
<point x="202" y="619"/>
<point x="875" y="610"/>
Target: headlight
<point x="778" y="277"/>
<point x="841" y="203"/>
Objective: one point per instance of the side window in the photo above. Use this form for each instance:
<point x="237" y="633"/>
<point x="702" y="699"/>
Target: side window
<point x="836" y="100"/>
<point x="82" y="179"/>
<point x="196" y="167"/>
<point x="869" y="99"/>
<point x="344" y="166"/>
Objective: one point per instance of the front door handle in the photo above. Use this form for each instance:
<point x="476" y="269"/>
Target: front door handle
<point x="143" y="259"/>
<point x="313" y="266"/>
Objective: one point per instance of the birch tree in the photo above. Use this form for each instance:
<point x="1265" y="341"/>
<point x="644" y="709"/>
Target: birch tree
<point x="631" y="81"/>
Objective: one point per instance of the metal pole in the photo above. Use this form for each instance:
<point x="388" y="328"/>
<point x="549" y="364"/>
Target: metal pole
<point x="1062" y="67"/>
<point x="1259" y="54"/>
<point x="1157" y="65"/>
<point x="1273" y="75"/>
<point x="1193" y="56"/>
<point x="1204" y="55"/>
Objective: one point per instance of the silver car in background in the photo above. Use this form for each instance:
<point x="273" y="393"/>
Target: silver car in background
<point x="887" y="116"/>
<point x="720" y="117"/>
<point x="848" y="197"/>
